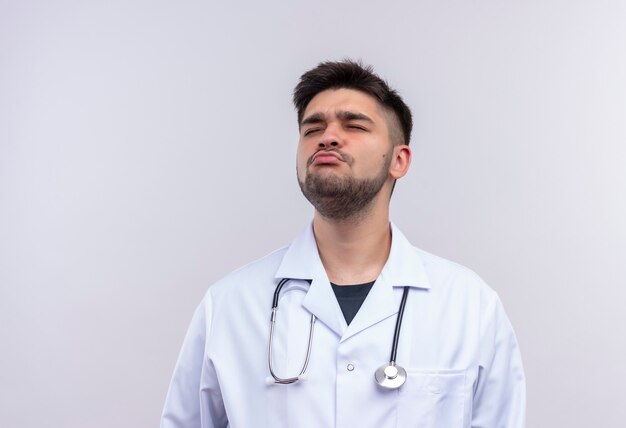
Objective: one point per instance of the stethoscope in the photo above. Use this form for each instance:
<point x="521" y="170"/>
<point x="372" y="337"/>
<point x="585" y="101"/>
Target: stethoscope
<point x="389" y="376"/>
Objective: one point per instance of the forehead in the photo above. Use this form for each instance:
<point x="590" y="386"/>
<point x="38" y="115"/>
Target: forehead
<point x="330" y="101"/>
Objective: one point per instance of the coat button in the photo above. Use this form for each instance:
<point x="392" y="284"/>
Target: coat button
<point x="350" y="367"/>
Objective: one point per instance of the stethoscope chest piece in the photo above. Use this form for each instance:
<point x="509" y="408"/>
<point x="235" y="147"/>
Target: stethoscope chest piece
<point x="390" y="376"/>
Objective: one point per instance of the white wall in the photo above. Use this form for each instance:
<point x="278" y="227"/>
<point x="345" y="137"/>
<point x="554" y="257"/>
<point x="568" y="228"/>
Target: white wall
<point x="147" y="148"/>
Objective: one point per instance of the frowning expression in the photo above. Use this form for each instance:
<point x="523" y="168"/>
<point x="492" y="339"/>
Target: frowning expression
<point x="343" y="132"/>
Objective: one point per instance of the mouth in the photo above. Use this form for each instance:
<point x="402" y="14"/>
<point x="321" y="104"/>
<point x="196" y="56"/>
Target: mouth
<point x="325" y="157"/>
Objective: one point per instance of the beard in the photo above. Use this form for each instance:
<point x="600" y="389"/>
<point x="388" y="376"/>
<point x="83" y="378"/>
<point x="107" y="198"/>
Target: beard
<point x="343" y="197"/>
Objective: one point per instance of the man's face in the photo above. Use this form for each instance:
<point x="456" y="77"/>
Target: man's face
<point x="344" y="152"/>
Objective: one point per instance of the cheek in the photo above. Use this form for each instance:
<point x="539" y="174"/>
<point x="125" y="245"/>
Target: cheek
<point x="302" y="155"/>
<point x="301" y="160"/>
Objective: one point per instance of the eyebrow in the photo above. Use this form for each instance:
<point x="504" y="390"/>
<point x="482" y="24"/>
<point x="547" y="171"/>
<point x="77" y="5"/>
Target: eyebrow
<point x="348" y="115"/>
<point x="343" y="115"/>
<point x="314" y="118"/>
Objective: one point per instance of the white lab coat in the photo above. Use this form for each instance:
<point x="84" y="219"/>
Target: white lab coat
<point x="457" y="346"/>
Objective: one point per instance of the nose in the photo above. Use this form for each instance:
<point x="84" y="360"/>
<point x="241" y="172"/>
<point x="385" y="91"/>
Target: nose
<point x="329" y="139"/>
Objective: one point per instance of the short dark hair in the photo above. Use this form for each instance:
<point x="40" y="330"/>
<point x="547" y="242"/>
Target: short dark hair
<point x="351" y="74"/>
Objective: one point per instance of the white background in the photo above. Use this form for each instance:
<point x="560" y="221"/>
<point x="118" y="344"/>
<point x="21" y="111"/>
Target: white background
<point x="147" y="148"/>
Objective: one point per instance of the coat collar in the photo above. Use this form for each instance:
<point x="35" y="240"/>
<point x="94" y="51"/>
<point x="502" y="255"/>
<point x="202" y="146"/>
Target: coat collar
<point x="404" y="267"/>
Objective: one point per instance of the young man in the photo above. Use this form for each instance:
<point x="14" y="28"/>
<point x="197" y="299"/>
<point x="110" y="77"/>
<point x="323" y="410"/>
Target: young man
<point x="398" y="337"/>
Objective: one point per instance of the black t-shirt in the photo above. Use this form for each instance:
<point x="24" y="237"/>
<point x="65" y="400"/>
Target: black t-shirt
<point x="351" y="297"/>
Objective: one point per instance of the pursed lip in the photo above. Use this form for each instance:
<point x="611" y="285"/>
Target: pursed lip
<point x="327" y="155"/>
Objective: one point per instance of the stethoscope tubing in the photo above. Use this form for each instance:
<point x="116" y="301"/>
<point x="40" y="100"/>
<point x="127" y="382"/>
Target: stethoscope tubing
<point x="396" y="333"/>
<point x="278" y="379"/>
<point x="384" y="381"/>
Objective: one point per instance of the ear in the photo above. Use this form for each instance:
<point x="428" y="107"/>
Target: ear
<point x="400" y="162"/>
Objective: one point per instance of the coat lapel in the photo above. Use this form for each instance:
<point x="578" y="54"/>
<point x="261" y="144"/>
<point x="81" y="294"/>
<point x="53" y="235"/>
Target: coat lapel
<point x="302" y="261"/>
<point x="404" y="267"/>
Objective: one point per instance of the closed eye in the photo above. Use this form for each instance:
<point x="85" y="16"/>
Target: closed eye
<point x="311" y="131"/>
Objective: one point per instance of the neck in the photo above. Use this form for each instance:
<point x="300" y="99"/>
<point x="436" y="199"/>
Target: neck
<point x="354" y="251"/>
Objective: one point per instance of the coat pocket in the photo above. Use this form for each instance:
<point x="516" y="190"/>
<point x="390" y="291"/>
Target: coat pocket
<point x="432" y="399"/>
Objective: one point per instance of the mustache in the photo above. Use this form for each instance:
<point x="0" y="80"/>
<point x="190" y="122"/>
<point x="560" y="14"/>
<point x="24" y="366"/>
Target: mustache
<point x="343" y="156"/>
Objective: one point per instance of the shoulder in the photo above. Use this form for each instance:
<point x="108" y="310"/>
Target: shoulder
<point x="250" y="276"/>
<point x="448" y="276"/>
<point x="463" y="294"/>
